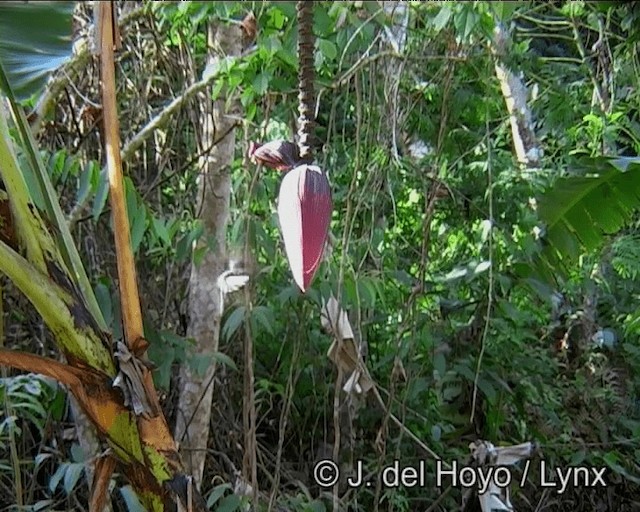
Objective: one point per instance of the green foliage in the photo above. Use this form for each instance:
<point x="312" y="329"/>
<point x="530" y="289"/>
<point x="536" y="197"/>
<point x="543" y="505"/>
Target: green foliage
<point x="31" y="397"/>
<point x="30" y="56"/>
<point x="579" y="210"/>
<point x="68" y="474"/>
<point x="626" y="256"/>
<point x="431" y="278"/>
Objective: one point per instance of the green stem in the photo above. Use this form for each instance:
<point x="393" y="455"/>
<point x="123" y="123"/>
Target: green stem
<point x="24" y="222"/>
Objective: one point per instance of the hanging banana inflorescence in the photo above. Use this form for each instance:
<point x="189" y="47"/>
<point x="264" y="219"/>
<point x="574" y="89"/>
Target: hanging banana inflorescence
<point x="304" y="200"/>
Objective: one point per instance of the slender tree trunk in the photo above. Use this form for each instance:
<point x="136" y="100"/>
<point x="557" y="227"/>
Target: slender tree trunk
<point x="194" y="407"/>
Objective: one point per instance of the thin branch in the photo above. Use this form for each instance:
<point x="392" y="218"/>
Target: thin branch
<point x="487" y="320"/>
<point x="165" y="115"/>
<point x="600" y="94"/>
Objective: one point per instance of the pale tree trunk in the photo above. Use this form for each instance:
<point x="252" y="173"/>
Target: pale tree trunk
<point x="514" y="90"/>
<point x="194" y="407"/>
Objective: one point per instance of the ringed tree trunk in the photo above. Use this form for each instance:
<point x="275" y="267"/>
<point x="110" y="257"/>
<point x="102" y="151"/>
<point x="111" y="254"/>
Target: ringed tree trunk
<point x="205" y="299"/>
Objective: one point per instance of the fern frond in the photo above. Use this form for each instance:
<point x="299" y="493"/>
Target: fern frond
<point x="626" y="256"/>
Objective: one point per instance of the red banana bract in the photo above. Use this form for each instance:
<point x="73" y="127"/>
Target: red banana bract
<point x="304" y="211"/>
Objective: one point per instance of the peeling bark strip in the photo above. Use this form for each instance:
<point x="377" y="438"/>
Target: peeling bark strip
<point x="525" y="142"/>
<point x="214" y="189"/>
<point x="128" y="285"/>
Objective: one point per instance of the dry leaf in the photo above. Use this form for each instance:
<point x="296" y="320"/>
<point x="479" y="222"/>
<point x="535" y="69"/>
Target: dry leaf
<point x="230" y="281"/>
<point x="485" y="453"/>
<point x="130" y="380"/>
<point x="335" y="320"/>
<point x="249" y="27"/>
<point x="345" y="353"/>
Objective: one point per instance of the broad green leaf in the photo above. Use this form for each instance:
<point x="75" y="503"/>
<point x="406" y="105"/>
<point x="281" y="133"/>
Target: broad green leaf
<point x="322" y="22"/>
<point x="72" y="475"/>
<point x="261" y="82"/>
<point x="35" y="40"/>
<point x="87" y="181"/>
<point x="439" y="363"/>
<point x="103" y="296"/>
<point x="217" y="493"/>
<point x="328" y="49"/>
<point x="481" y="267"/>
<point x="199" y="363"/>
<point x="367" y="292"/>
<point x="32" y="182"/>
<point x="138" y="228"/>
<point x="264" y="317"/>
<point x="224" y="359"/>
<point x="229" y="503"/>
<point x="161" y="231"/>
<point x="57" y="476"/>
<point x="218" y="67"/>
<point x="597" y="199"/>
<point x="185" y="244"/>
<point x="440" y="21"/>
<point x="504" y="10"/>
<point x="276" y="18"/>
<point x="100" y="200"/>
<point x="466" y="20"/>
<point x="234" y="321"/>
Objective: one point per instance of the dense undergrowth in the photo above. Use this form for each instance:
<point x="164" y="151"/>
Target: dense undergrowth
<point x="434" y="246"/>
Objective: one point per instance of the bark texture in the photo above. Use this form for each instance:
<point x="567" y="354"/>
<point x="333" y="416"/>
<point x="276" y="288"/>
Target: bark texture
<point x="515" y="94"/>
<point x="214" y="185"/>
<point x="306" y="77"/>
